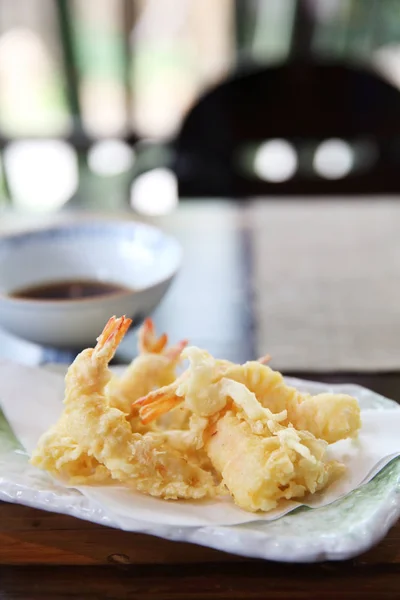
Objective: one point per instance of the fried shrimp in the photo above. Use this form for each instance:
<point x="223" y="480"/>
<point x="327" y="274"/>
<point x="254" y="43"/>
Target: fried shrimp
<point x="262" y="461"/>
<point x="154" y="367"/>
<point x="330" y="417"/>
<point x="147" y="462"/>
<point x="260" y="456"/>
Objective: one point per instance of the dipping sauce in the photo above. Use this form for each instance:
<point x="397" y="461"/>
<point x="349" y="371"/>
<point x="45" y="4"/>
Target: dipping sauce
<point x="75" y="289"/>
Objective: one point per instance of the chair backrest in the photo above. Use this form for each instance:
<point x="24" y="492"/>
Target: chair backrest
<point x="305" y="104"/>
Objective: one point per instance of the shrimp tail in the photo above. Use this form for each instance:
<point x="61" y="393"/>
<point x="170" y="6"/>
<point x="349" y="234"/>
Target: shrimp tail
<point x="264" y="359"/>
<point x="148" y="341"/>
<point x="111" y="336"/>
<point x="174" y="352"/>
<point x="156" y="403"/>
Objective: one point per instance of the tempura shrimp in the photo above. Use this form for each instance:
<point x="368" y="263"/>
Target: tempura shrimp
<point x="259" y="458"/>
<point x="330" y="417"/>
<point x="147" y="462"/>
<point x="154" y="367"/>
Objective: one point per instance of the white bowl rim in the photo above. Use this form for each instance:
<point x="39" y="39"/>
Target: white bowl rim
<point x="32" y="234"/>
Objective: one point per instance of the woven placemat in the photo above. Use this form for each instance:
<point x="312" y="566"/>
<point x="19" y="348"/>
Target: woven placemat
<point x="326" y="279"/>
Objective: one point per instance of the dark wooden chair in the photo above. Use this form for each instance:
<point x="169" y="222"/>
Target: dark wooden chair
<point x="305" y="104"/>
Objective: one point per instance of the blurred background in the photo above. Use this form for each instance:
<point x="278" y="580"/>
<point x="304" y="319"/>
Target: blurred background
<point x="95" y="93"/>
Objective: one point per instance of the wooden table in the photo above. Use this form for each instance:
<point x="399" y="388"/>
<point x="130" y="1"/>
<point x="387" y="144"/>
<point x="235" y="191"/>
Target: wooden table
<point x="48" y="556"/>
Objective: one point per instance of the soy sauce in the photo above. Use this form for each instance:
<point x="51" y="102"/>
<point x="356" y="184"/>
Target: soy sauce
<point x="75" y="289"/>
